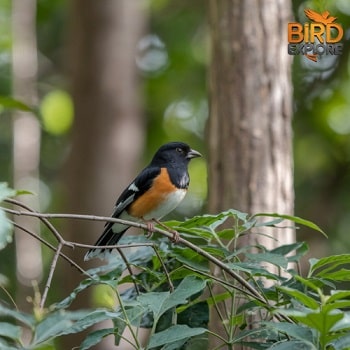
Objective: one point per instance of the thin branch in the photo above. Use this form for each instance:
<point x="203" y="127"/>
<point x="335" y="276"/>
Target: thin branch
<point x="127" y="321"/>
<point x="216" y="306"/>
<point x="170" y="283"/>
<point x="131" y="273"/>
<point x="35" y="214"/>
<point x="65" y="257"/>
<point x="49" y="278"/>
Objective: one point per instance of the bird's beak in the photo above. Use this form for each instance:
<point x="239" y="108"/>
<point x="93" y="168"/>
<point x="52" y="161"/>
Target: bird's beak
<point x="193" y="154"/>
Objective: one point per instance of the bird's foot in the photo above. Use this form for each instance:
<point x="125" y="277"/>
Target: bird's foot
<point x="176" y="236"/>
<point x="150" y="228"/>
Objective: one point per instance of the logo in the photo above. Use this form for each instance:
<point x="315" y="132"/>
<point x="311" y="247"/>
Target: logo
<point x="320" y="37"/>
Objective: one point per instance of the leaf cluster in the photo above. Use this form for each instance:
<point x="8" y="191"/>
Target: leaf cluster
<point x="170" y="289"/>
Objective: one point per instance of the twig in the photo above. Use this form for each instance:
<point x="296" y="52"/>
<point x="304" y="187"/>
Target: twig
<point x="49" y="278"/>
<point x="35" y="214"/>
<point x="127" y="321"/>
<point x="170" y="283"/>
<point x="131" y="273"/>
<point x="217" y="309"/>
<point x="65" y="257"/>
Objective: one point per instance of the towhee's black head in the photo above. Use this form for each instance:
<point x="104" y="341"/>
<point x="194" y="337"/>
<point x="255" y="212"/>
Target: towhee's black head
<point x="174" y="154"/>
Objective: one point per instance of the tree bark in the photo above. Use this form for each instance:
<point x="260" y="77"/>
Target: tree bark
<point x="26" y="147"/>
<point x="250" y="133"/>
<point x="108" y="132"/>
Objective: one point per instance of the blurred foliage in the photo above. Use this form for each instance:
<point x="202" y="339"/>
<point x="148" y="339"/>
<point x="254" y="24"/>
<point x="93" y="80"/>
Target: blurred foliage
<point x="321" y="133"/>
<point x="57" y="112"/>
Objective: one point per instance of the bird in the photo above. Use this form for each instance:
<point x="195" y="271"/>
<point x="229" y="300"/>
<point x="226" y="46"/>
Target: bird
<point x="323" y="17"/>
<point x="155" y="192"/>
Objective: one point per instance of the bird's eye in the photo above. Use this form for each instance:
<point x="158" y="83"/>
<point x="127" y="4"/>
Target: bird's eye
<point x="179" y="150"/>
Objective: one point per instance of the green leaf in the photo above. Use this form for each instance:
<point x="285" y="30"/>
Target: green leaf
<point x="188" y="257"/>
<point x="301" y="297"/>
<point x="269" y="223"/>
<point x="340" y="275"/>
<point x="293" y="344"/>
<point x="68" y="300"/>
<point x="63" y="322"/>
<point x="322" y="322"/>
<point x="295" y="219"/>
<point x="252" y="269"/>
<point x="17" y="315"/>
<point x="274" y="259"/>
<point x="292" y="330"/>
<point x="5" y="191"/>
<point x="308" y="282"/>
<point x="11" y="331"/>
<point x="329" y="263"/>
<point x="173" y="334"/>
<point x="338" y="294"/>
<point x="336" y="305"/>
<point x="299" y="248"/>
<point x="4" y="345"/>
<point x="188" y="287"/>
<point x="6" y="226"/>
<point x="11" y="103"/>
<point x="52" y="326"/>
<point x="197" y="315"/>
<point x="95" y="337"/>
<point x="5" y="230"/>
<point x="161" y="302"/>
<point x="154" y="301"/>
<point x="341" y="342"/>
<point x="213" y="221"/>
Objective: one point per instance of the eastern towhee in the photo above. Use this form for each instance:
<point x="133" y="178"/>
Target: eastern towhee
<point x="154" y="193"/>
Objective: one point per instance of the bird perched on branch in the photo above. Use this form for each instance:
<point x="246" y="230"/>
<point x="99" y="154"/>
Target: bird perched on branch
<point x="154" y="193"/>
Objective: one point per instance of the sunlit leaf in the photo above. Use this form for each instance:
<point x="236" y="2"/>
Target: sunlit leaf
<point x="301" y="297"/>
<point x="328" y="263"/>
<point x="12" y="103"/>
<point x="295" y="219"/>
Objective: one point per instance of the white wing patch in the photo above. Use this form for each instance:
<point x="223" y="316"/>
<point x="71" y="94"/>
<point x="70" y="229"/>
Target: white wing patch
<point x="122" y="205"/>
<point x="133" y="187"/>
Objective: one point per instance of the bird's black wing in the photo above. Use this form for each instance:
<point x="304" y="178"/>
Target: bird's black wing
<point x="137" y="188"/>
<point x="113" y="232"/>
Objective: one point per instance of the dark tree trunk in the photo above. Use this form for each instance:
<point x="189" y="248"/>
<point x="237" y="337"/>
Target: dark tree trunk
<point x="108" y="132"/>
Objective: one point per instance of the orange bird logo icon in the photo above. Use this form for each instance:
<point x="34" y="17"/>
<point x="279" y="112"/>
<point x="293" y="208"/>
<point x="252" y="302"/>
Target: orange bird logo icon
<point x="323" y="18"/>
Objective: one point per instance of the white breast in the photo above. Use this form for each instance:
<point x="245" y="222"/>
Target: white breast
<point x="170" y="203"/>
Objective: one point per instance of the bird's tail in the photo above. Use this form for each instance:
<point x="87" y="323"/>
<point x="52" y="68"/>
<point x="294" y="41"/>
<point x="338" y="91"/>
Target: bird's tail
<point x="108" y="237"/>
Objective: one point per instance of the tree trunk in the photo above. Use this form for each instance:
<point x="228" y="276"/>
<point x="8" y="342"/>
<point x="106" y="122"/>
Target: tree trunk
<point x="108" y="132"/>
<point x="250" y="134"/>
<point x="26" y="147"/>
